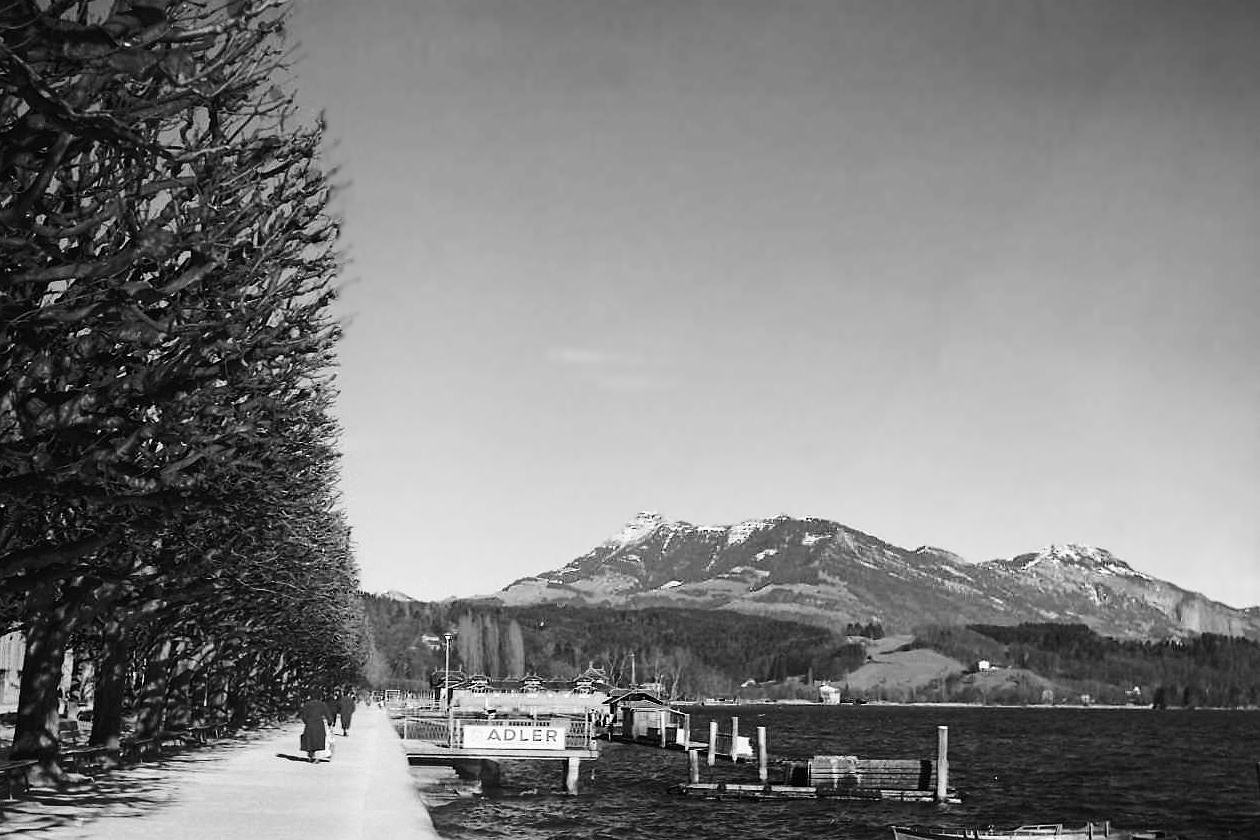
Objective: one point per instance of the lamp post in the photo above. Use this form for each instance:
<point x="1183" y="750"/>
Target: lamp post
<point x="446" y="691"/>
<point x="446" y="674"/>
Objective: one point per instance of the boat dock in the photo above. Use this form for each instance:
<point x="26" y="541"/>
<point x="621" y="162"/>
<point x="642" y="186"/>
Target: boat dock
<point x="641" y="717"/>
<point x="474" y="747"/>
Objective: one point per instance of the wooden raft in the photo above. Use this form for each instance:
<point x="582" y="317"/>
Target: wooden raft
<point x="843" y="777"/>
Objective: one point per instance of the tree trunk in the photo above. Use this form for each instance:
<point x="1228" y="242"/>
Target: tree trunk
<point x="37" y="735"/>
<point x="179" y="692"/>
<point x="152" y="705"/>
<point x="111" y="686"/>
<point x="217" y="700"/>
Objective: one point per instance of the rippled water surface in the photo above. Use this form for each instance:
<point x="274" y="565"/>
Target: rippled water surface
<point x="1193" y="772"/>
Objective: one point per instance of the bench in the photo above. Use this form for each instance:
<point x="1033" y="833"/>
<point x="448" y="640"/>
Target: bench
<point x="201" y="735"/>
<point x="10" y="770"/>
<point x="135" y="749"/>
<point x="71" y="758"/>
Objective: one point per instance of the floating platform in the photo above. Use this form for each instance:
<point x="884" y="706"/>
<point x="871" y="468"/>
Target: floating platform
<point x="843" y="777"/>
<point x="730" y="790"/>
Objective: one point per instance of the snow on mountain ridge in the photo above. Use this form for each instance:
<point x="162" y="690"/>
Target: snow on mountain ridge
<point x="826" y="571"/>
<point x="742" y="531"/>
<point x="643" y="524"/>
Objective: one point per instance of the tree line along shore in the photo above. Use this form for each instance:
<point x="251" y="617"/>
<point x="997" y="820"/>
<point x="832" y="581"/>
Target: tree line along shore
<point x="716" y="654"/>
<point x="169" y="515"/>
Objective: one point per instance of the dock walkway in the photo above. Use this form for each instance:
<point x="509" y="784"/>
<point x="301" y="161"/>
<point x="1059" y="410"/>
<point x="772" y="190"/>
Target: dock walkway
<point x="259" y="786"/>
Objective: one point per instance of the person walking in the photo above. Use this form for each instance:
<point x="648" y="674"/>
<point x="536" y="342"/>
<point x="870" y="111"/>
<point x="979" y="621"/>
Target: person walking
<point x="315" y="717"/>
<point x="334" y="707"/>
<point x="346" y="710"/>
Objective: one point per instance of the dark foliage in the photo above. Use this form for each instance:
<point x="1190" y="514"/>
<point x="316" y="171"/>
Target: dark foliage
<point x="692" y="652"/>
<point x="168" y="504"/>
<point x="1206" y="670"/>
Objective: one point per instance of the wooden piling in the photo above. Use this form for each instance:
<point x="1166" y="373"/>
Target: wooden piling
<point x="762" y="769"/>
<point x="942" y="763"/>
<point x="734" y="735"/>
<point x="664" y="722"/>
<point x="712" y="742"/>
<point x="572" y="768"/>
<point x="693" y="761"/>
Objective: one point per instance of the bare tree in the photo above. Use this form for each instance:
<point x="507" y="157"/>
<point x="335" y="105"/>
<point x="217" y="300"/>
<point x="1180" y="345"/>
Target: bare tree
<point x="166" y="260"/>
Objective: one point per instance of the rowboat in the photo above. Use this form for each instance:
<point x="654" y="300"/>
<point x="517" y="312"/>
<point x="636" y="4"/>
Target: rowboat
<point x="1045" y="831"/>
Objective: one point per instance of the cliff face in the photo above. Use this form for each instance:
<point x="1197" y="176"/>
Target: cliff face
<point x="826" y="573"/>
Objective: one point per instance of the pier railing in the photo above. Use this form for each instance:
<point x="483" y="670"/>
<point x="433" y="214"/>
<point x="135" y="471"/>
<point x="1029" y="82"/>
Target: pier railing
<point x="578" y="733"/>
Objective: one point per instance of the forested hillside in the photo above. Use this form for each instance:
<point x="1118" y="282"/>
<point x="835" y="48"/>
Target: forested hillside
<point x="709" y="653"/>
<point x="1206" y="670"/>
<point x="693" y="652"/>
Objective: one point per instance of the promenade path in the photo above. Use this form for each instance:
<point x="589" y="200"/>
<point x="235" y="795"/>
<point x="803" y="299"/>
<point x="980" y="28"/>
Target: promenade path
<point x="255" y="786"/>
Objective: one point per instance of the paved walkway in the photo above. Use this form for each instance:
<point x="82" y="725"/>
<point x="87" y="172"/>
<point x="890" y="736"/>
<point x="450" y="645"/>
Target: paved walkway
<point x="256" y="786"/>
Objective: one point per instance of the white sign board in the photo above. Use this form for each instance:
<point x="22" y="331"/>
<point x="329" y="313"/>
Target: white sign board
<point x="541" y="736"/>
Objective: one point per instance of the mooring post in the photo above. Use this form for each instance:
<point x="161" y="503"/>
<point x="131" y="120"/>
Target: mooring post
<point x="573" y="765"/>
<point x="942" y="762"/>
<point x="762" y="772"/>
<point x="712" y="742"/>
<point x="693" y="762"/>
<point x="664" y="724"/>
<point x="734" y="735"/>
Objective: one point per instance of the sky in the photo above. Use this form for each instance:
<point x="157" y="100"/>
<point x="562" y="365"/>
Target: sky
<point x="979" y="275"/>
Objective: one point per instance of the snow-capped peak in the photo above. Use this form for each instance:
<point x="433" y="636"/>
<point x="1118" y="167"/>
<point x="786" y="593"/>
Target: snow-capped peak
<point x="636" y="529"/>
<point x="744" y="530"/>
<point x="395" y="595"/>
<point x="1084" y="556"/>
<point x="1077" y="553"/>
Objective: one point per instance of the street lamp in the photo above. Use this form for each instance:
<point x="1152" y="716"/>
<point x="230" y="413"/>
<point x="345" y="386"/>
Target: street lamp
<point x="446" y="677"/>
<point x="446" y="690"/>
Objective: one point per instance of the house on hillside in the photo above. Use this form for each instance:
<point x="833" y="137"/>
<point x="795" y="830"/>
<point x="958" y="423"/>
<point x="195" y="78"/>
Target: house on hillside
<point x="828" y="695"/>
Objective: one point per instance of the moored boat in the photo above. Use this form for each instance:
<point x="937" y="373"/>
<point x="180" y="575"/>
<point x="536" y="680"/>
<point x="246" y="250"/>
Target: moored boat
<point x="1045" y="831"/>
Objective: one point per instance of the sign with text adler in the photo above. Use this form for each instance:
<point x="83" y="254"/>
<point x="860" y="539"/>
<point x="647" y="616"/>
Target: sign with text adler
<point x="536" y="736"/>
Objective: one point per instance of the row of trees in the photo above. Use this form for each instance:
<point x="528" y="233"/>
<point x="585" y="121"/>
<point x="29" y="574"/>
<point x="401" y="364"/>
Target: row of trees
<point x="168" y="461"/>
<point x="692" y="652"/>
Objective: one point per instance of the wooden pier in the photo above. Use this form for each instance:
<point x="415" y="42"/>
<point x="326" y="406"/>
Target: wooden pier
<point x="843" y="777"/>
<point x="476" y="746"/>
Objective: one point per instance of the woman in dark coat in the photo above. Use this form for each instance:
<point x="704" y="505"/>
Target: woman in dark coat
<point x="314" y="715"/>
<point x="346" y="710"/>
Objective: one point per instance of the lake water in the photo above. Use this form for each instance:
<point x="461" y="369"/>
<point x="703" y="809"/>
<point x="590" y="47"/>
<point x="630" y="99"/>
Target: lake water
<point x="1193" y="772"/>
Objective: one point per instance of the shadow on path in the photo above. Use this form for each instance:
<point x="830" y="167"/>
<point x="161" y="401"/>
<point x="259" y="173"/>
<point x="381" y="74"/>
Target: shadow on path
<point x="131" y="791"/>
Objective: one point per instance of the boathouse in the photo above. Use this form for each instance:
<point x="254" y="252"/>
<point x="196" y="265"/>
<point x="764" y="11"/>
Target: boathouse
<point x="642" y="716"/>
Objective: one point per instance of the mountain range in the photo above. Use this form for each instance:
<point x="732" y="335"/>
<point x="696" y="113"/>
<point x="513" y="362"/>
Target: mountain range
<point x="825" y="573"/>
